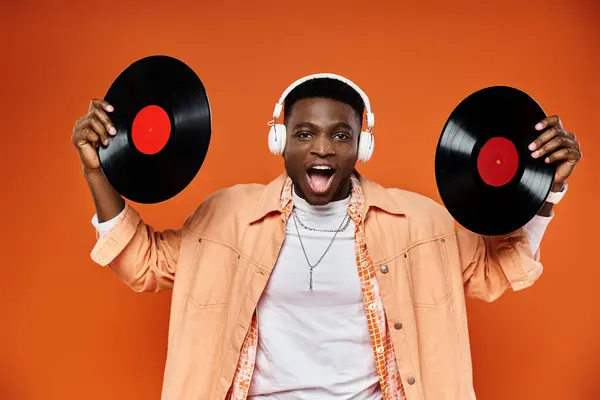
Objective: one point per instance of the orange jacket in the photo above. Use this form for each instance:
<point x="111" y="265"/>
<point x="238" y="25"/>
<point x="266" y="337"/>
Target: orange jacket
<point x="219" y="261"/>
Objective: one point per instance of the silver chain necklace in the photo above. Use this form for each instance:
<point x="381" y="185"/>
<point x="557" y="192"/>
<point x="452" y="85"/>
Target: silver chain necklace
<point x="312" y="267"/>
<point x="347" y="219"/>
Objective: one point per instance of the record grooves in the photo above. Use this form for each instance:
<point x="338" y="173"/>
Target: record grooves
<point x="485" y="174"/>
<point x="163" y="121"/>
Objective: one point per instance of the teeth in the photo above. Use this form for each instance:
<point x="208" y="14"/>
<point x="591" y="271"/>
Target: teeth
<point x="321" y="167"/>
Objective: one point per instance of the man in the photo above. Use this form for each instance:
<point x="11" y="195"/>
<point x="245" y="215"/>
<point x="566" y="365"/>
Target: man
<point x="321" y="284"/>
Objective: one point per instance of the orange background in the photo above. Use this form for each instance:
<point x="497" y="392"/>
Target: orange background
<point x="71" y="330"/>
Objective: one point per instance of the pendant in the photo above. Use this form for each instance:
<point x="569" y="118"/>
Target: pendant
<point x="310" y="284"/>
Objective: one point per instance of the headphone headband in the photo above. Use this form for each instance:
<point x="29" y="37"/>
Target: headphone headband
<point x="370" y="117"/>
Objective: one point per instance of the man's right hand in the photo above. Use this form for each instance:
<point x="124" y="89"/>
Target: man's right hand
<point x="90" y="131"/>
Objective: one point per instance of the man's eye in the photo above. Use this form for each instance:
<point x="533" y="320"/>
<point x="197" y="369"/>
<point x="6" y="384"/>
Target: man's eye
<point x="303" y="135"/>
<point x="341" y="136"/>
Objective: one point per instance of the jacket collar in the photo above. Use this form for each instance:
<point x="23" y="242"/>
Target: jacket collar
<point x="374" y="194"/>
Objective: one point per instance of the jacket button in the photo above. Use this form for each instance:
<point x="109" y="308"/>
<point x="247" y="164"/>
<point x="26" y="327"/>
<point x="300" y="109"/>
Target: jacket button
<point x="398" y="325"/>
<point x="384" y="269"/>
<point x="411" y="381"/>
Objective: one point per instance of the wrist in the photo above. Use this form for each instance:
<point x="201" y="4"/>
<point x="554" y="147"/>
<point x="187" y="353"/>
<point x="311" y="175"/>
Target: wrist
<point x="92" y="173"/>
<point x="558" y="187"/>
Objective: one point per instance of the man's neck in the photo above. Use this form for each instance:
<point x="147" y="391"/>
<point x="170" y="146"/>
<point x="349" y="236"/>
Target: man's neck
<point x="331" y="208"/>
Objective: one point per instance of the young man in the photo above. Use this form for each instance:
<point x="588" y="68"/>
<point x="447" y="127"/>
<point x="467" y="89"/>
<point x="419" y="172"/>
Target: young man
<point x="321" y="284"/>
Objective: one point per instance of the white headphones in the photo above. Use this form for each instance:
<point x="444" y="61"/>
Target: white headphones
<point x="277" y="133"/>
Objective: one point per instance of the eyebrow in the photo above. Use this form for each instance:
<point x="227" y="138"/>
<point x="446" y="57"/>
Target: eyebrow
<point x="310" y="125"/>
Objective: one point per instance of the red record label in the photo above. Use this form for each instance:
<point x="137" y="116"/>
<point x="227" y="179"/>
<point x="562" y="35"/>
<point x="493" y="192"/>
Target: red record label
<point x="151" y="129"/>
<point x="498" y="161"/>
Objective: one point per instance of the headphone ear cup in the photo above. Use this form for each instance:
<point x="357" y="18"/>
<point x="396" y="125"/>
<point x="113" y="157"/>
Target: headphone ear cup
<point x="277" y="136"/>
<point x="366" y="145"/>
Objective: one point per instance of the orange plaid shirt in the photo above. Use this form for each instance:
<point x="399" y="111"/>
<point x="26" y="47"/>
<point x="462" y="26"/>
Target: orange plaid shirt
<point x="385" y="363"/>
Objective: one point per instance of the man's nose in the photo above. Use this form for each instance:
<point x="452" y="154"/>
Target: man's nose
<point x="322" y="146"/>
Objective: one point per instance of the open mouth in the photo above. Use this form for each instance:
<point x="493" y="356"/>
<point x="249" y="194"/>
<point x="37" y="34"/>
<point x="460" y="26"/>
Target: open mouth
<point x="320" y="178"/>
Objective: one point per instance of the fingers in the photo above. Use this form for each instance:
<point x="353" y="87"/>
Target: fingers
<point x="92" y="137"/>
<point x="101" y="115"/>
<point x="96" y="121"/>
<point x="99" y="103"/>
<point x="99" y="128"/>
<point x="568" y="154"/>
<point x="92" y="129"/>
<point x="557" y="143"/>
<point x="553" y="120"/>
<point x="543" y="138"/>
<point x="548" y="135"/>
<point x="105" y="120"/>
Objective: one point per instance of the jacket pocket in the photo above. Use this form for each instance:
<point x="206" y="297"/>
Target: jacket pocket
<point x="211" y="273"/>
<point x="427" y="265"/>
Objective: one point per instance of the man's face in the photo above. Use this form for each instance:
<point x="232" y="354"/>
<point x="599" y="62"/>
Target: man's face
<point x="321" y="149"/>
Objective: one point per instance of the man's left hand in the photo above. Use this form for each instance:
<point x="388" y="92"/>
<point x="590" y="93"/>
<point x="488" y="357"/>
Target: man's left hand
<point x="557" y="145"/>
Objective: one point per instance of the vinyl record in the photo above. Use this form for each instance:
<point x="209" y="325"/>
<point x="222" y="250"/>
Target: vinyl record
<point x="485" y="174"/>
<point x="163" y="122"/>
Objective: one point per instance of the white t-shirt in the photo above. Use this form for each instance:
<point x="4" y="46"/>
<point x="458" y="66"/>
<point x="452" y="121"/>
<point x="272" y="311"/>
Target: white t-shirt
<point x="314" y="345"/>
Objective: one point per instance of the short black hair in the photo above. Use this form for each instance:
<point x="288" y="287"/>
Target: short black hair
<point x="328" y="88"/>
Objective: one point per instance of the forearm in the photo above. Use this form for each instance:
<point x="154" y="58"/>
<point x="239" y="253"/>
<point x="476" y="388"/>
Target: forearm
<point x="546" y="210"/>
<point x="142" y="257"/>
<point x="492" y="264"/>
<point x="107" y="200"/>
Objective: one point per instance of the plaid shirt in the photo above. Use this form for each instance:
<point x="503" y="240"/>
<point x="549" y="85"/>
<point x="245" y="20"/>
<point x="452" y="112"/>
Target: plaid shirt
<point x="385" y="359"/>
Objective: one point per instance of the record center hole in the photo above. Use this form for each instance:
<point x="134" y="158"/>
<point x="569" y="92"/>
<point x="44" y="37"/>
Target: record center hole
<point x="151" y="129"/>
<point x="498" y="161"/>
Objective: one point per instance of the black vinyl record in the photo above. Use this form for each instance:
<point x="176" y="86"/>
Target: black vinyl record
<point x="163" y="122"/>
<point x="484" y="171"/>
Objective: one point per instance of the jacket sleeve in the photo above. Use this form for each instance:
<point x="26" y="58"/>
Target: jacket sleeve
<point x="491" y="265"/>
<point x="143" y="258"/>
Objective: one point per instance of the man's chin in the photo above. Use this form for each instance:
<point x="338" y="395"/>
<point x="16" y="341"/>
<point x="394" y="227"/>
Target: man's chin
<point x="318" y="200"/>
